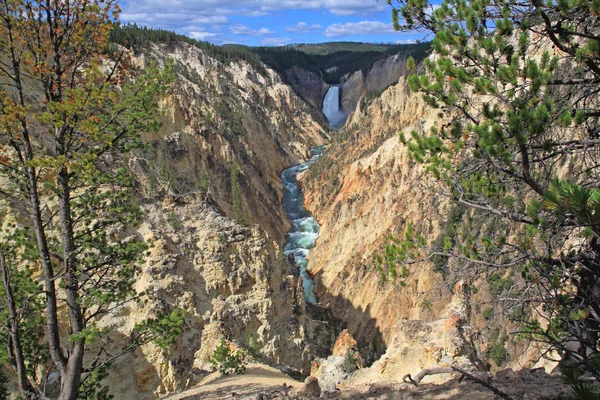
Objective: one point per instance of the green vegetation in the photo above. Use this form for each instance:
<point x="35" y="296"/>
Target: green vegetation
<point x="227" y="361"/>
<point x="3" y="386"/>
<point x="488" y="313"/>
<point x="515" y="160"/>
<point x="396" y="251"/>
<point x="174" y="220"/>
<point x="253" y="347"/>
<point x="350" y="363"/>
<point x="138" y="38"/>
<point x="582" y="390"/>
<point x="332" y="61"/>
<point x="498" y="353"/>
<point x="67" y="195"/>
<point x="426" y="304"/>
<point x="497" y="284"/>
<point x="337" y="47"/>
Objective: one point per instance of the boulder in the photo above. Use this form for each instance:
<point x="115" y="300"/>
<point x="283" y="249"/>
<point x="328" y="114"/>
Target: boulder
<point x="311" y="388"/>
<point x="344" y="344"/>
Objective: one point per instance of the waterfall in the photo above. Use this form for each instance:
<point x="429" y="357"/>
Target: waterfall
<point x="331" y="107"/>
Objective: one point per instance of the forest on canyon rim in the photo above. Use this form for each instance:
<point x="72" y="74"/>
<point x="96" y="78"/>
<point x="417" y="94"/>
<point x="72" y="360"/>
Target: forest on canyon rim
<point x="516" y="85"/>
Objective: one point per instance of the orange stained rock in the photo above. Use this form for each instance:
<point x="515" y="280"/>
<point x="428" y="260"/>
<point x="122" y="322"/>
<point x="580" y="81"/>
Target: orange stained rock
<point x="344" y="343"/>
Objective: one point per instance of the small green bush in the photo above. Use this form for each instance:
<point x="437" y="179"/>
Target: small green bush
<point x="227" y="361"/>
<point x="426" y="304"/>
<point x="3" y="386"/>
<point x="350" y="362"/>
<point x="174" y="220"/>
<point x="582" y="390"/>
<point x="253" y="347"/>
<point x="498" y="353"/>
<point x="498" y="285"/>
<point x="488" y="313"/>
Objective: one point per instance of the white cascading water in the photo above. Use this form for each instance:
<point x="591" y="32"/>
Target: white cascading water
<point x="305" y="229"/>
<point x="331" y="107"/>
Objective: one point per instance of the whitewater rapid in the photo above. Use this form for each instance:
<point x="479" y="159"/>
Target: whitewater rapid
<point x="305" y="229"/>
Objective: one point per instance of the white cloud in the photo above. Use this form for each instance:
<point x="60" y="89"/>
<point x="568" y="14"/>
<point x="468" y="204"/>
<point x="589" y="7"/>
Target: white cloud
<point x="275" y="41"/>
<point x="190" y="9"/>
<point x="200" y="35"/>
<point x="200" y="18"/>
<point x="359" y="28"/>
<point x="173" y="19"/>
<point x="406" y="41"/>
<point x="303" y="27"/>
<point x="239" y="29"/>
<point x="215" y="20"/>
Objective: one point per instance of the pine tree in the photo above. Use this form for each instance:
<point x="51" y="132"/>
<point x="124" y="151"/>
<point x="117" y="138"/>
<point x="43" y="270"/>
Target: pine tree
<point x="517" y="84"/>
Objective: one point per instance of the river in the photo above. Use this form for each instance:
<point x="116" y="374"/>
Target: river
<point x="305" y="229"/>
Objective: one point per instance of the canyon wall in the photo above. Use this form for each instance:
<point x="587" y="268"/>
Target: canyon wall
<point x="383" y="74"/>
<point x="366" y="190"/>
<point x="210" y="187"/>
<point x="226" y="126"/>
<point x="307" y="85"/>
<point x="311" y="87"/>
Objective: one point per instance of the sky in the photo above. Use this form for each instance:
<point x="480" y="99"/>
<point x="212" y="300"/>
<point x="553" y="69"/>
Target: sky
<point x="270" y="22"/>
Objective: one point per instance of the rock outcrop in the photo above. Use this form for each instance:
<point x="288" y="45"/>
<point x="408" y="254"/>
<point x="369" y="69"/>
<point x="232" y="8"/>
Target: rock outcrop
<point x="307" y="85"/>
<point x="232" y="282"/>
<point x="209" y="182"/>
<point x="352" y="88"/>
<point x="364" y="189"/>
<point x="384" y="73"/>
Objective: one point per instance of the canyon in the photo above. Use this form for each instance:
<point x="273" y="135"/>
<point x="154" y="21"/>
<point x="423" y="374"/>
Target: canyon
<point x="264" y="226"/>
<point x="221" y="257"/>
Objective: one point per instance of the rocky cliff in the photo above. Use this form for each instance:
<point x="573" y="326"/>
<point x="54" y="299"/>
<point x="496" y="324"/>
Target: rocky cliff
<point x="209" y="182"/>
<point x="365" y="190"/>
<point x="307" y="85"/>
<point x="227" y="129"/>
<point x="384" y="73"/>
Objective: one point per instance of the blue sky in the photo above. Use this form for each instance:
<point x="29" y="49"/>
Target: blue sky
<point x="270" y="22"/>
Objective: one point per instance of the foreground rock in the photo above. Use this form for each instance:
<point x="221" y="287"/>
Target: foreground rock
<point x="261" y="382"/>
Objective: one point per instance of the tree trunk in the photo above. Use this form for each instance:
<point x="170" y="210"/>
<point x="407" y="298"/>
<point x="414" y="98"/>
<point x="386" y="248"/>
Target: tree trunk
<point x="16" y="350"/>
<point x="71" y="380"/>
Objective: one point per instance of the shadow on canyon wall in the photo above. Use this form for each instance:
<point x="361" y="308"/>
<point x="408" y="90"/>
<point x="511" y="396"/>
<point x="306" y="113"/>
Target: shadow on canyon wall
<point x="361" y="324"/>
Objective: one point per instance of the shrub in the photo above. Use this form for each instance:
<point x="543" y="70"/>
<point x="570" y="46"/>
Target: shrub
<point x="498" y="354"/>
<point x="488" y="312"/>
<point x="350" y="362"/>
<point x="227" y="361"/>
<point x="498" y="285"/>
<point x="174" y="220"/>
<point x="426" y="304"/>
<point x="253" y="347"/>
<point x="3" y="388"/>
<point x="582" y="390"/>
